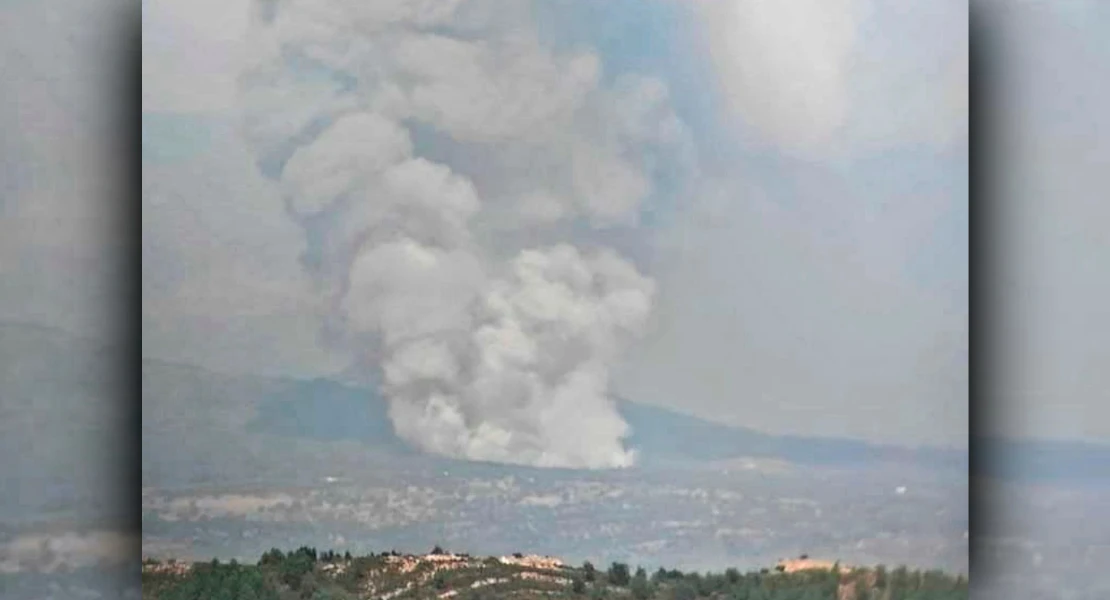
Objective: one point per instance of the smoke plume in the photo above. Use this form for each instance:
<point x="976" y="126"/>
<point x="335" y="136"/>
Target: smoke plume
<point x="498" y="352"/>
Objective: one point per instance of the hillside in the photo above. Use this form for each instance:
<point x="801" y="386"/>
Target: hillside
<point x="306" y="574"/>
<point x="326" y="410"/>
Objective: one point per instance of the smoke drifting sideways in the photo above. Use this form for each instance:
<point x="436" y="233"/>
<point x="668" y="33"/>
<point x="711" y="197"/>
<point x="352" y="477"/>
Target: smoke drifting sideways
<point x="485" y="352"/>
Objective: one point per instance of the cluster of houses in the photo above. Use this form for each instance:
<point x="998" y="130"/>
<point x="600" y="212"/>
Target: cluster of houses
<point x="805" y="563"/>
<point x="170" y="567"/>
<point x="533" y="561"/>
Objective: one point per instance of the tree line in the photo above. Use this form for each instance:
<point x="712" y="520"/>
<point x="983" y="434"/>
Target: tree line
<point x="300" y="575"/>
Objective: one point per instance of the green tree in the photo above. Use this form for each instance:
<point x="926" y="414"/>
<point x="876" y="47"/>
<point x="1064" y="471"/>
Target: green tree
<point x="641" y="589"/>
<point x="618" y="574"/>
<point x="294" y="567"/>
<point x="899" y="582"/>
<point x="880" y="577"/>
<point x="578" y="586"/>
<point x="732" y="576"/>
<point x="714" y="582"/>
<point x="589" y="571"/>
<point x="703" y="585"/>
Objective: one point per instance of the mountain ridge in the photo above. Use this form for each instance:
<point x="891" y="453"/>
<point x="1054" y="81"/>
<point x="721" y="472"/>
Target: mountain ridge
<point x="659" y="435"/>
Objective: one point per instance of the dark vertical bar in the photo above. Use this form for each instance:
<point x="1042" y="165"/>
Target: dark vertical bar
<point x="984" y="270"/>
<point x="124" y="95"/>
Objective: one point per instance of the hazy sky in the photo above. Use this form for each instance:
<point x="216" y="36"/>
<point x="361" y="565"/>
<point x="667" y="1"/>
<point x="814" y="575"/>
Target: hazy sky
<point x="1055" y="283"/>
<point x="810" y="257"/>
<point x="55" y="234"/>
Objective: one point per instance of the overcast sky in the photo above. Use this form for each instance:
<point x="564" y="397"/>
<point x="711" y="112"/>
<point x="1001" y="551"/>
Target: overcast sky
<point x="810" y="250"/>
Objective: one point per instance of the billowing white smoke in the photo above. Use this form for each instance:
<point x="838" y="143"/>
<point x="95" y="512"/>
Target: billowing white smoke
<point x="487" y="354"/>
<point x="524" y="376"/>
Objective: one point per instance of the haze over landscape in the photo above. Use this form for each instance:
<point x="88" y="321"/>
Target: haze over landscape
<point x="674" y="284"/>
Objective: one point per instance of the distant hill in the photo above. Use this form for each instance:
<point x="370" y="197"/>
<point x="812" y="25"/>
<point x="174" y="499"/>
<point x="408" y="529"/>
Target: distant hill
<point x="663" y="435"/>
<point x="1043" y="461"/>
<point x="329" y="411"/>
<point x="326" y="410"/>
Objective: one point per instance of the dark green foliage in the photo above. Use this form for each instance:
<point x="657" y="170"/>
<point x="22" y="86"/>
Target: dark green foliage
<point x="578" y="586"/>
<point x="589" y="571"/>
<point x="214" y="581"/>
<point x="703" y="587"/>
<point x="295" y="567"/>
<point x="618" y="574"/>
<point x="640" y="587"/>
<point x="711" y="583"/>
<point x="900" y="582"/>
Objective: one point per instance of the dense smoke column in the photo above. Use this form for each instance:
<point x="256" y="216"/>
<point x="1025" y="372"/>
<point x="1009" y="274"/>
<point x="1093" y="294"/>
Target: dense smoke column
<point x="528" y="381"/>
<point x="484" y="354"/>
